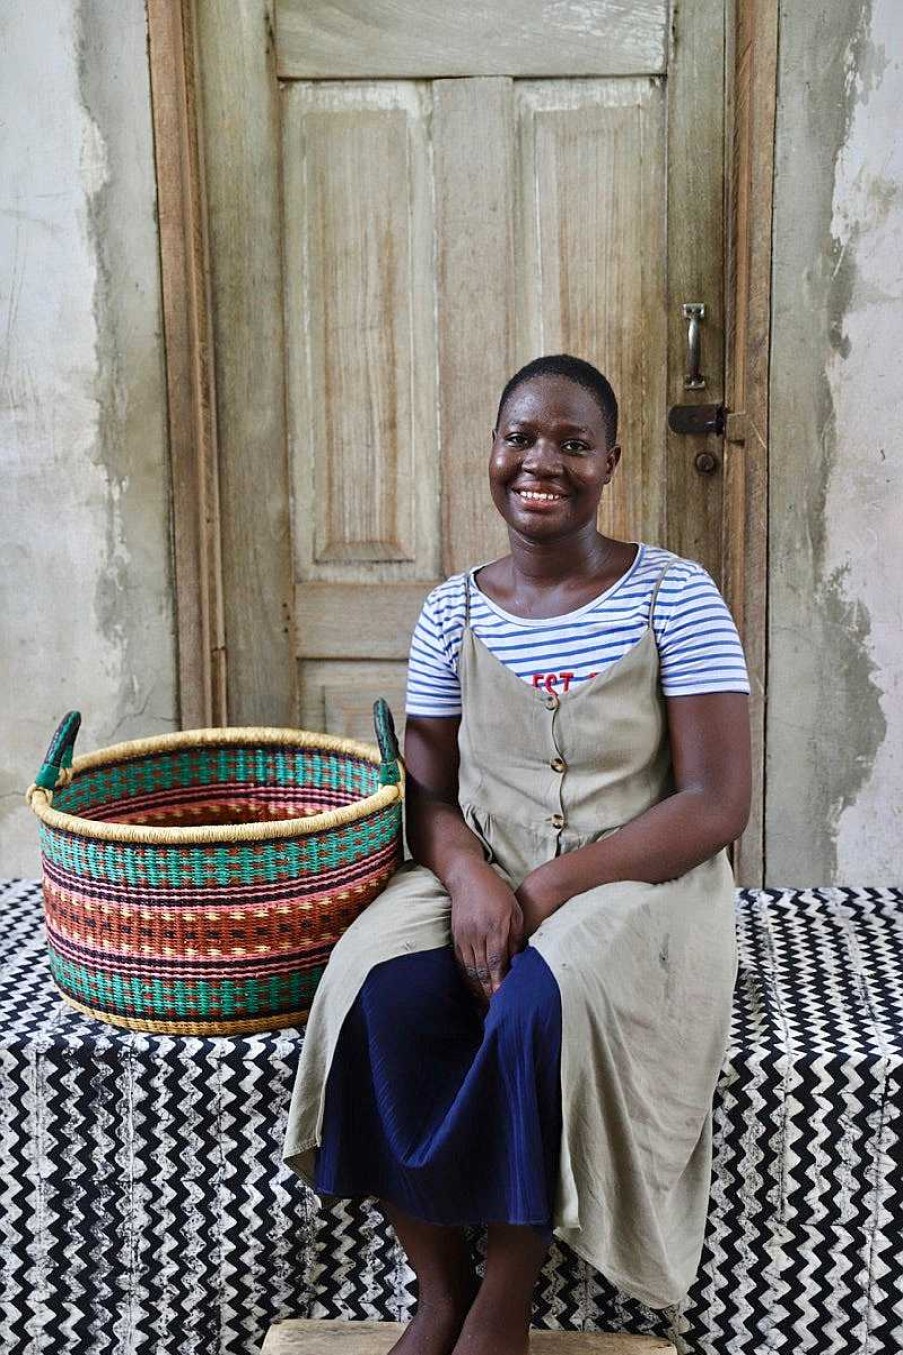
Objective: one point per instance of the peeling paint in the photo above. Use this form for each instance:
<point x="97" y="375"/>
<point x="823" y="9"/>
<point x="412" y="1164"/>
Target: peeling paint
<point x="84" y="551"/>
<point x="833" y="562"/>
<point x="129" y="376"/>
<point x="864" y="504"/>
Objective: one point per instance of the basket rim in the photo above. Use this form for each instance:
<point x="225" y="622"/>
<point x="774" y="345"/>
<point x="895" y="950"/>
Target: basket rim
<point x="238" y="736"/>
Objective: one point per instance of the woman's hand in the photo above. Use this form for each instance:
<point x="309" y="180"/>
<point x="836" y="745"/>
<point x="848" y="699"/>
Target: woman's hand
<point x="487" y="925"/>
<point x="486" y="921"/>
<point x="538" y="898"/>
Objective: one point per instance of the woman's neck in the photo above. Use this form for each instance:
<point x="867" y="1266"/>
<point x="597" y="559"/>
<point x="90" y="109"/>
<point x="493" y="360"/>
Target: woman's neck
<point x="539" y="579"/>
<point x="581" y="557"/>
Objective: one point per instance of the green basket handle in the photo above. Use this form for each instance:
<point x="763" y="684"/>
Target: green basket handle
<point x="389" y="770"/>
<point x="59" y="754"/>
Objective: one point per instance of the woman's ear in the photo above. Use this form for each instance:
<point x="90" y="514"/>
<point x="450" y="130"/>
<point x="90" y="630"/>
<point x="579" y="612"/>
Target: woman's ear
<point x="613" y="456"/>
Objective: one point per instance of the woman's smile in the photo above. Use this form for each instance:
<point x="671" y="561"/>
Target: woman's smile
<point x="539" y="498"/>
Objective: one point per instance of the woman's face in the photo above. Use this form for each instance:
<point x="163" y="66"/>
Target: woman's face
<point x="550" y="459"/>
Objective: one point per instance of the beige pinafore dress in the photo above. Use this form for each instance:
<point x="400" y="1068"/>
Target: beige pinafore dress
<point x="645" y="971"/>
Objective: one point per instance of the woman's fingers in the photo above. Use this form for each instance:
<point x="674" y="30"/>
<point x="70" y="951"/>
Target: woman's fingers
<point x="486" y="930"/>
<point x="476" y="973"/>
<point x="516" y="935"/>
<point x="494" y="953"/>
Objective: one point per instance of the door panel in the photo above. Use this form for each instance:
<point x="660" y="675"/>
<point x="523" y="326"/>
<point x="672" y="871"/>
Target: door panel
<point x="323" y="39"/>
<point x="358" y="239"/>
<point x="591" y="261"/>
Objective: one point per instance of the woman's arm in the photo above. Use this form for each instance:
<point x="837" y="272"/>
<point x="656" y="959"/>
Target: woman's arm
<point x="710" y="752"/>
<point x="487" y="923"/>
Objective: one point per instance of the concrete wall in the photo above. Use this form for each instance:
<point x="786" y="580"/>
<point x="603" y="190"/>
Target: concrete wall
<point x="835" y="716"/>
<point x="85" y="610"/>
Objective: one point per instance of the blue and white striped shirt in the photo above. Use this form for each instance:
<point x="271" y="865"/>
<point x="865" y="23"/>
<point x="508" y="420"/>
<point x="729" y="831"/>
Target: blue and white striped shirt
<point x="699" y="648"/>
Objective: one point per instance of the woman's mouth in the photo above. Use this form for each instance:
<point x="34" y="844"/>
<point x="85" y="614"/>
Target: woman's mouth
<point x="539" y="496"/>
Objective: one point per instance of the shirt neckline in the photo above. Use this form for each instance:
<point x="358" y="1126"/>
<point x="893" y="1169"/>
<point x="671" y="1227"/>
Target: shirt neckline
<point x="563" y="617"/>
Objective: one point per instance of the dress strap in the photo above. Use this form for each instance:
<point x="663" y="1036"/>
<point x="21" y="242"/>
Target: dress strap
<point x="658" y="584"/>
<point x="467" y="600"/>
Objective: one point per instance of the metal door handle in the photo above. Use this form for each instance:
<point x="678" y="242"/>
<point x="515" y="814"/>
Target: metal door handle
<point x="694" y="314"/>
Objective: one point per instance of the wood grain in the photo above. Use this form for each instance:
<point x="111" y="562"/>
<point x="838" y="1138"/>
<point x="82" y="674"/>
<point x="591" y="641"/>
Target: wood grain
<point x="358" y="621"/>
<point x="359" y="330"/>
<point x="359" y="251"/>
<point x="343" y="691"/>
<point x="752" y="135"/>
<point x="302" y="1337"/>
<point x="189" y="374"/>
<point x="348" y="710"/>
<point x="696" y="241"/>
<point x="346" y="39"/>
<point x="590" y="250"/>
<point x="241" y="151"/>
<point x="473" y="150"/>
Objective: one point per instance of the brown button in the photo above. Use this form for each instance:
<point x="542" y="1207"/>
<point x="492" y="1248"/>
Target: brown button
<point x="550" y="701"/>
<point x="558" y="764"/>
<point x="557" y="820"/>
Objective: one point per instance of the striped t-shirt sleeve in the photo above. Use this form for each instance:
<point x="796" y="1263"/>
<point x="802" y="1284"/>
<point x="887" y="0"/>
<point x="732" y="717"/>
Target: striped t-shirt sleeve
<point x="699" y="647"/>
<point x="433" y="687"/>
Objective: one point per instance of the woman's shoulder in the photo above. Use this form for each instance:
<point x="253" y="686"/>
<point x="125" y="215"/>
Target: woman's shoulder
<point x="654" y="563"/>
<point x="655" y="559"/>
<point x="447" y="596"/>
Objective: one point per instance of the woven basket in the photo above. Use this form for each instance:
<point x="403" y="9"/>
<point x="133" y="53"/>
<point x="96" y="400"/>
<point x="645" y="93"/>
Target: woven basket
<point x="196" y="883"/>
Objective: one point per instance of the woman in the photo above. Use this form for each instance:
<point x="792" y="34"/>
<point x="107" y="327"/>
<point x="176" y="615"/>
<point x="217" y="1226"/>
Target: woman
<point x="526" y="1028"/>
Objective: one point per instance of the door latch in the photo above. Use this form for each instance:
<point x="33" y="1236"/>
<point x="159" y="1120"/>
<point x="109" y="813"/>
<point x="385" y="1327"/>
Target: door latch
<point x="697" y="420"/>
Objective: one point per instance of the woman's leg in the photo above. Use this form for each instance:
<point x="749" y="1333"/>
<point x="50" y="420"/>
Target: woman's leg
<point x="498" y="1322"/>
<point x="446" y="1283"/>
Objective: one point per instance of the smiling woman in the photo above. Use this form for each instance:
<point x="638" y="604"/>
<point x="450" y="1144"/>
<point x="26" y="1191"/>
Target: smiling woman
<point x="526" y="1028"/>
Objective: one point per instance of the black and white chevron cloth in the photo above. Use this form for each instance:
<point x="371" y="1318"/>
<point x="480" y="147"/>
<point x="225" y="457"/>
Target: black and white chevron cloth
<point x="145" y="1209"/>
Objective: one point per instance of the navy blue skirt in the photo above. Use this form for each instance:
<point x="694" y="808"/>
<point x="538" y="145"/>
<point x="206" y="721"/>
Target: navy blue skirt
<point x="452" y="1116"/>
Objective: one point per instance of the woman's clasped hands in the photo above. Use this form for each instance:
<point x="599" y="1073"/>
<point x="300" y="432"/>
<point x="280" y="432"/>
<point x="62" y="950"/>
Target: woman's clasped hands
<point x="491" y="922"/>
<point x="487" y="925"/>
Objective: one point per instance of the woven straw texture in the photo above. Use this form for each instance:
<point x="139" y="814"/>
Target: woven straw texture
<point x="197" y="886"/>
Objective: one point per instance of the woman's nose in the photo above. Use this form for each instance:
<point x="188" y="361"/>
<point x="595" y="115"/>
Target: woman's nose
<point x="543" y="453"/>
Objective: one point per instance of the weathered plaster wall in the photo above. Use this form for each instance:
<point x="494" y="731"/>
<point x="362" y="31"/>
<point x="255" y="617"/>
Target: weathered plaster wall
<point x="85" y="609"/>
<point x="835" y="715"/>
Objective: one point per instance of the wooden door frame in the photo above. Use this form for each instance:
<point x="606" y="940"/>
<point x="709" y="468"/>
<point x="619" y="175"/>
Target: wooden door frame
<point x="191" y="403"/>
<point x="752" y="64"/>
<point x="190" y="167"/>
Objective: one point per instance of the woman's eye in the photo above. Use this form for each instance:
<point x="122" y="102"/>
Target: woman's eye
<point x="516" y="439"/>
<point x="574" y="445"/>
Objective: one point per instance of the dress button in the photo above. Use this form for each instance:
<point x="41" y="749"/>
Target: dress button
<point x="550" y="701"/>
<point x="557" y="820"/>
<point x="558" y="764"/>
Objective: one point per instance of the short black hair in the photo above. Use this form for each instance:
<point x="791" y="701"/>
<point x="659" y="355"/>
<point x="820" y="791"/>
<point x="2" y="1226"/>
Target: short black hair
<point x="581" y="373"/>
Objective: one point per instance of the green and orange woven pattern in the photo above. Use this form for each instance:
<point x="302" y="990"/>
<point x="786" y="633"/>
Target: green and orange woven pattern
<point x="196" y="883"/>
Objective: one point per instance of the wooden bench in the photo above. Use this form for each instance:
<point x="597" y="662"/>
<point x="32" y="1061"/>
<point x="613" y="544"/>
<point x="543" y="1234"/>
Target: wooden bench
<point x="326" y="1337"/>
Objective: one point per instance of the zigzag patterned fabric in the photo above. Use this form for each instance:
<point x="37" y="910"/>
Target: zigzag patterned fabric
<point x="145" y="1209"/>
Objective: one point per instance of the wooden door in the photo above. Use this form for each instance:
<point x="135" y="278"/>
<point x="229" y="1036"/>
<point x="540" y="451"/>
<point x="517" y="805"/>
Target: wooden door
<point x="405" y="203"/>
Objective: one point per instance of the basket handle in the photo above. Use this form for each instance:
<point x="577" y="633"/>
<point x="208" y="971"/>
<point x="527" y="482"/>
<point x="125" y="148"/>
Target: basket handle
<point x="59" y="754"/>
<point x="389" y="770"/>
